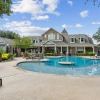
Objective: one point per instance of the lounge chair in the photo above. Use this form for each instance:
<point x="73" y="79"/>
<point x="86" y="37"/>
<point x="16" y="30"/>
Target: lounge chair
<point x="30" y="56"/>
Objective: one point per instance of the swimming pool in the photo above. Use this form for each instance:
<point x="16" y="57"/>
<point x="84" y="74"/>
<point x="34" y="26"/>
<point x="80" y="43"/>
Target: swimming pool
<point x="81" y="67"/>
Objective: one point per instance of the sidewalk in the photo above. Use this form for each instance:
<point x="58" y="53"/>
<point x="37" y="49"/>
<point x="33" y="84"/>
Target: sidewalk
<point x="26" y="85"/>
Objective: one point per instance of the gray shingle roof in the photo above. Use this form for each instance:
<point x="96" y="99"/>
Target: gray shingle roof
<point x="34" y="37"/>
<point x="6" y="41"/>
<point x="82" y="44"/>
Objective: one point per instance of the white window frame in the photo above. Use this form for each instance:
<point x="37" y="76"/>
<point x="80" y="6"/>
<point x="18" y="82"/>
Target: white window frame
<point x="71" y="39"/>
<point x="37" y="39"/>
<point x="81" y="39"/>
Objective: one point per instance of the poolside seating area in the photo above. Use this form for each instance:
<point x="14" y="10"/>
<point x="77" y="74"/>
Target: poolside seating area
<point x="35" y="56"/>
<point x="92" y="57"/>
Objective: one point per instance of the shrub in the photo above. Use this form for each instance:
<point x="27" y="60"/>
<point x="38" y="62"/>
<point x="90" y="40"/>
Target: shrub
<point x="11" y="56"/>
<point x="90" y="53"/>
<point x="81" y="54"/>
<point x="25" y="54"/>
<point x="5" y="56"/>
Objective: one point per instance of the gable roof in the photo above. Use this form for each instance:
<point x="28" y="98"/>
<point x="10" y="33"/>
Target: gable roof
<point x="53" y="43"/>
<point x="49" y="30"/>
<point x="49" y="42"/>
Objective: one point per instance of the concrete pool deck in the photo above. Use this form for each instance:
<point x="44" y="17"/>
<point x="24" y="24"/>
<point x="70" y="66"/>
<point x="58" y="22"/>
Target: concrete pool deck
<point x="25" y="85"/>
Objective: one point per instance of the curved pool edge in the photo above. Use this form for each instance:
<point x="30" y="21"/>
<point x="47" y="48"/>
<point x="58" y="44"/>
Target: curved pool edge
<point x="67" y="75"/>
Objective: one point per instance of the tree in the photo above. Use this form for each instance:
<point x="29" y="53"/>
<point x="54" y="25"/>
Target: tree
<point x="96" y="36"/>
<point x="23" y="43"/>
<point x="8" y="34"/>
<point x="5" y="7"/>
<point x="95" y="2"/>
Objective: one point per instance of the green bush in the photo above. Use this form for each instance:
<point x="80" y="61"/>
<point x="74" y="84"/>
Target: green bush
<point x="86" y="54"/>
<point x="81" y="54"/>
<point x="11" y="56"/>
<point x="90" y="53"/>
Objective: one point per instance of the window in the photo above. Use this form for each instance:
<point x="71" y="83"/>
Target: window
<point x="82" y="40"/>
<point x="57" y="36"/>
<point x="72" y="40"/>
<point x="80" y="50"/>
<point x="37" y="40"/>
<point x="51" y="36"/>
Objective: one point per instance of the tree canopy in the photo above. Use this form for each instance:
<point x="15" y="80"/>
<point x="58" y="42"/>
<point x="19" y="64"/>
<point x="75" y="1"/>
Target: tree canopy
<point x="23" y="43"/>
<point x="96" y="36"/>
<point x="5" y="7"/>
<point x="8" y="34"/>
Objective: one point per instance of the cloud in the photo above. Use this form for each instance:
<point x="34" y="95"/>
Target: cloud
<point x="78" y="25"/>
<point x="17" y="24"/>
<point x="45" y="17"/>
<point x="70" y="2"/>
<point x="96" y="23"/>
<point x="36" y="7"/>
<point x="84" y="13"/>
<point x="6" y="19"/>
<point x="64" y="26"/>
<point x="25" y="28"/>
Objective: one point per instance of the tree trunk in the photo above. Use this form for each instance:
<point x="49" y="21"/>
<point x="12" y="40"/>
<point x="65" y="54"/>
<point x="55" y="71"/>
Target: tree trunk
<point x="0" y="57"/>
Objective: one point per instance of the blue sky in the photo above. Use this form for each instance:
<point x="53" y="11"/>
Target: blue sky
<point x="34" y="17"/>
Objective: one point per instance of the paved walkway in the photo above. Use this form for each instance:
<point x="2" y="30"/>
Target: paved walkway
<point x="26" y="85"/>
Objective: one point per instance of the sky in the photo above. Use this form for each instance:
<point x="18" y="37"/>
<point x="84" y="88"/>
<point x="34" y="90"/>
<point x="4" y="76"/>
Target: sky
<point x="34" y="17"/>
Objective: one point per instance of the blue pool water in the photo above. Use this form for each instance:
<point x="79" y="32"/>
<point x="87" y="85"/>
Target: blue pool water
<point x="81" y="67"/>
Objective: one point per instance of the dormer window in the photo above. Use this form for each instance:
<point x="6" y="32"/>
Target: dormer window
<point x="72" y="39"/>
<point x="1" y="40"/>
<point x="37" y="40"/>
<point x="82" y="39"/>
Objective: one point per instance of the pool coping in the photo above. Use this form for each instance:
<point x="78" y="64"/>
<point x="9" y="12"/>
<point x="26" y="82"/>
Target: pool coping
<point x="85" y="76"/>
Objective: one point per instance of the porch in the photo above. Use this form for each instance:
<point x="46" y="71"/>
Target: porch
<point x="57" y="50"/>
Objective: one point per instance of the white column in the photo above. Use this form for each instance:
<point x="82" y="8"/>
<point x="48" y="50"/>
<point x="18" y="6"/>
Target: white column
<point x="67" y="51"/>
<point x="76" y="50"/>
<point x="61" y="51"/>
<point x="42" y="49"/>
<point x="55" y="49"/>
